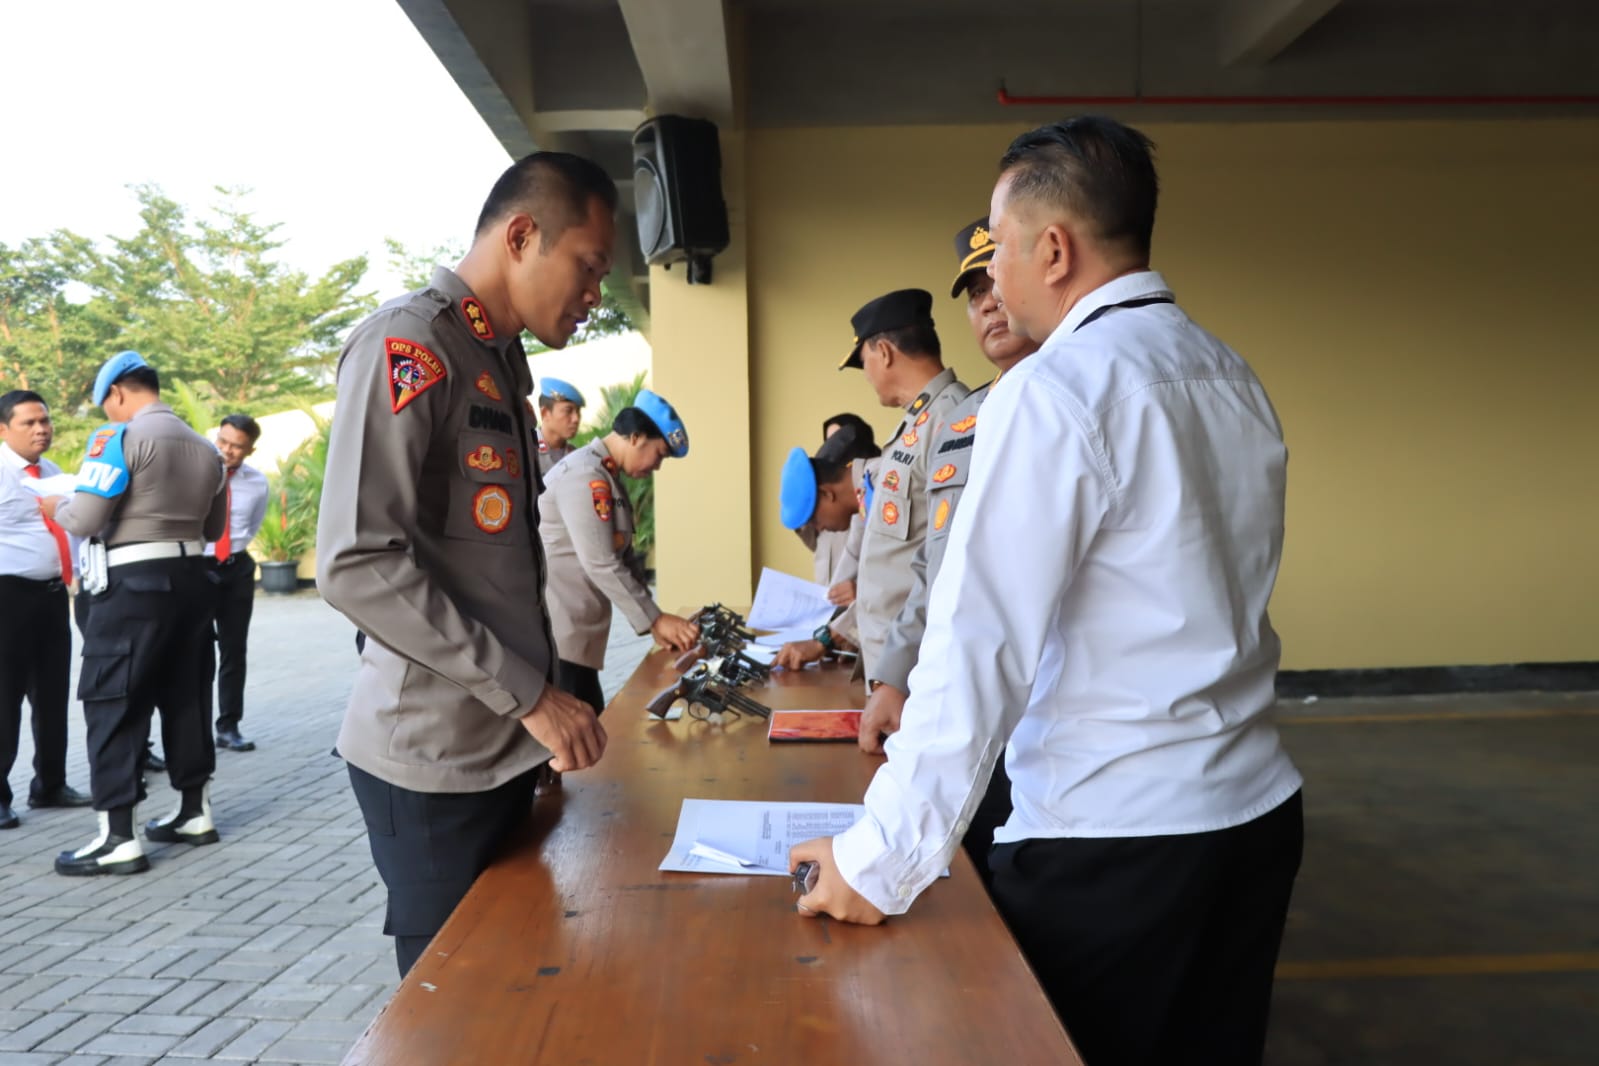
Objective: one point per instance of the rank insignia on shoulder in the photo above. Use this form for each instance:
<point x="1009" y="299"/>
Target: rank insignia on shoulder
<point x="921" y="402"/>
<point x="944" y="473"/>
<point x="478" y="319"/>
<point x="485" y="459"/>
<point x="941" y="514"/>
<point x="965" y="425"/>
<point x="891" y="481"/>
<point x="413" y="370"/>
<point x="890" y="513"/>
<point x="491" y="509"/>
<point x="485" y="385"/>
<point x="910" y="438"/>
<point x="921" y="419"/>
<point x="601" y="492"/>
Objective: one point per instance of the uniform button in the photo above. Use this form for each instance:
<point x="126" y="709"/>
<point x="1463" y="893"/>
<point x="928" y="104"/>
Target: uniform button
<point x="961" y="826"/>
<point x="904" y="891"/>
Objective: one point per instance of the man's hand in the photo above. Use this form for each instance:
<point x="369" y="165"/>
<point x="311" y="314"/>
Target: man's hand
<point x="796" y="653"/>
<point x="832" y="894"/>
<point x="881" y="717"/>
<point x="841" y="594"/>
<point x="568" y="727"/>
<point x="674" y="633"/>
<point x="48" y="505"/>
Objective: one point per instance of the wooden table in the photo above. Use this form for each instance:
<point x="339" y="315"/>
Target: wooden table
<point x="574" y="948"/>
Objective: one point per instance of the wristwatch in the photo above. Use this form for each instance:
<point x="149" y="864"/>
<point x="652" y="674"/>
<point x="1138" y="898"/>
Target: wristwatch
<point x="824" y="636"/>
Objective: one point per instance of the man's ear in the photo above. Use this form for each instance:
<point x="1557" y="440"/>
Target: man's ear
<point x="1057" y="249"/>
<point x="521" y="235"/>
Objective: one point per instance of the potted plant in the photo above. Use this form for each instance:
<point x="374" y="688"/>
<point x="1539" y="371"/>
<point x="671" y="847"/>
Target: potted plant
<point x="284" y="537"/>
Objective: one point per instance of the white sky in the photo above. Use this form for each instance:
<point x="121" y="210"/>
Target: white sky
<point x="334" y="112"/>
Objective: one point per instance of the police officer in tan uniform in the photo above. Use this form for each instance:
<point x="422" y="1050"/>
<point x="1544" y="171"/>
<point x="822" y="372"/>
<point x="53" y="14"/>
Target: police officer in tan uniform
<point x="951" y="454"/>
<point x="897" y="348"/>
<point x="560" y="415"/>
<point x="150" y="494"/>
<point x="428" y="542"/>
<point x="835" y="554"/>
<point x="588" y="531"/>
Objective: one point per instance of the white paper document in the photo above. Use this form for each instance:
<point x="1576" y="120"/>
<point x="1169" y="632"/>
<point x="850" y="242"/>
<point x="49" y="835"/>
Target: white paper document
<point x="783" y="601"/>
<point x="761" y="653"/>
<point x="56" y="485"/>
<point x="746" y="837"/>
<point x="774" y="641"/>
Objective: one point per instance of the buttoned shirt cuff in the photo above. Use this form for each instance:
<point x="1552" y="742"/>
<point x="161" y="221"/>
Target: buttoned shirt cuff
<point x="865" y="860"/>
<point x="514" y="691"/>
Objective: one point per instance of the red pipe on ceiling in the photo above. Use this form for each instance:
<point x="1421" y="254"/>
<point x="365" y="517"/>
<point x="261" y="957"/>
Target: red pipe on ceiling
<point x="1007" y="99"/>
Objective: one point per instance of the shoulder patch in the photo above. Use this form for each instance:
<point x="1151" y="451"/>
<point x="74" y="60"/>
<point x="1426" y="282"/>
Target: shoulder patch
<point x="891" y="481"/>
<point x="478" y="319"/>
<point x="600" y="490"/>
<point x="890" y="513"/>
<point x="104" y="472"/>
<point x="413" y="370"/>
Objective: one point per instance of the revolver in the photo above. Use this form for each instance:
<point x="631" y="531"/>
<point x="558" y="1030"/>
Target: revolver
<point x="700" y="687"/>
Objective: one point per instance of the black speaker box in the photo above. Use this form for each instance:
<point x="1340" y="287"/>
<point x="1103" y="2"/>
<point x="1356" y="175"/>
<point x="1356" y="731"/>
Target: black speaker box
<point x="677" y="193"/>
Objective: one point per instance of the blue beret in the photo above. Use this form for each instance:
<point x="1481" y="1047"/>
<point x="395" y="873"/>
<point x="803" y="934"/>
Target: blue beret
<point x="798" y="495"/>
<point x="561" y="390"/>
<point x="114" y="368"/>
<point x="665" y="418"/>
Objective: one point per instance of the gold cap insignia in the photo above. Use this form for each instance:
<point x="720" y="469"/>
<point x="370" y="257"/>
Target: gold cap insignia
<point x="979" y="238"/>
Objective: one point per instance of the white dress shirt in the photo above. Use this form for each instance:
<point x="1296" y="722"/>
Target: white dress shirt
<point x="247" y="505"/>
<point x="1102" y="604"/>
<point x="27" y="547"/>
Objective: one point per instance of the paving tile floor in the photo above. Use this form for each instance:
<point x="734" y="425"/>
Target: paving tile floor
<point x="267" y="948"/>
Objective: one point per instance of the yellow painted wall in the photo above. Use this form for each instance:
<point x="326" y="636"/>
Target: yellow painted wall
<point x="1418" y="298"/>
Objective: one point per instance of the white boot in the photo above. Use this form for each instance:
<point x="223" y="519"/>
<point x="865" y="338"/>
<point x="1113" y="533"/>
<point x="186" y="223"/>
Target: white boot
<point x="195" y="829"/>
<point x="105" y="854"/>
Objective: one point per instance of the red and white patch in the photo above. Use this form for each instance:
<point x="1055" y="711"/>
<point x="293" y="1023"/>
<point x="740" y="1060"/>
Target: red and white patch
<point x="485" y="385"/>
<point x="890" y="513"/>
<point x="513" y="463"/>
<point x="544" y="449"/>
<point x="491" y="509"/>
<point x="413" y="370"/>
<point x="601" y="491"/>
<point x="101" y="438"/>
<point x="944" y="473"/>
<point x="965" y="425"/>
<point x="478" y="319"/>
<point x="910" y="438"/>
<point x="485" y="459"/>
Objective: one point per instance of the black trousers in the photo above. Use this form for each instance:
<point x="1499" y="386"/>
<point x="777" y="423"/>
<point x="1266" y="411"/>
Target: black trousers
<point x="144" y="648"/>
<point x="582" y="682"/>
<point x="1156" y="950"/>
<point x="36" y="665"/>
<point x="235" y="603"/>
<point x="430" y="846"/>
<point x="992" y="812"/>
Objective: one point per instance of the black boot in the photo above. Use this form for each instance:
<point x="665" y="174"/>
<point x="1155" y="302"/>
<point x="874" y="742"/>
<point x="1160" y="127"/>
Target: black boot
<point x="108" y="853"/>
<point x="190" y="823"/>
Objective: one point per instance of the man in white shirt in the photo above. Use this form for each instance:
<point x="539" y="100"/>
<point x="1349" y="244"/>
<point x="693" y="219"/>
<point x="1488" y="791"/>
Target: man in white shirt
<point x="1102" y="607"/>
<point x="35" y="636"/>
<point x="235" y="570"/>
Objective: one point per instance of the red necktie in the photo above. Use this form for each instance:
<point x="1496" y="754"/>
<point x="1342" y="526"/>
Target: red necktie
<point x="225" y="542"/>
<point x="33" y="471"/>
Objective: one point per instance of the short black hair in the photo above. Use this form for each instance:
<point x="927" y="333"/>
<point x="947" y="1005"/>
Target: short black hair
<point x="1094" y="167"/>
<point x="553" y="187"/>
<point x="16" y="398"/>
<point x="852" y="441"/>
<point x="918" y="339"/>
<point x="828" y="469"/>
<point x="244" y="424"/>
<point x="631" y="420"/>
<point x="141" y="377"/>
<point x="848" y="420"/>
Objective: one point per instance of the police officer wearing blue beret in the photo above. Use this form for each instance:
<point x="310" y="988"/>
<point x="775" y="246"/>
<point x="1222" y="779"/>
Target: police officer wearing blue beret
<point x="560" y="414"/>
<point x="151" y="494"/>
<point x="588" y="526"/>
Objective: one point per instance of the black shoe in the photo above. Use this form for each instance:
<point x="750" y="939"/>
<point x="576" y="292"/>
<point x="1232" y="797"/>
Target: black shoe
<point x="105" y="854"/>
<point x="8" y="817"/>
<point x="65" y="796"/>
<point x="231" y="740"/>
<point x="155" y="763"/>
<point x="178" y="828"/>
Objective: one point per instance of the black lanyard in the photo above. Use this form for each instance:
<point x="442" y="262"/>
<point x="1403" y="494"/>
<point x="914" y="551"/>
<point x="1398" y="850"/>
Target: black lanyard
<point x="1142" y="302"/>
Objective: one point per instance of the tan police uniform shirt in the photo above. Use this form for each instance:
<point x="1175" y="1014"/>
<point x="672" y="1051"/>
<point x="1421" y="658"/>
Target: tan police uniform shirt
<point x="950" y="458"/>
<point x="588" y="534"/>
<point x="428" y="543"/>
<point x="175" y="489"/>
<point x="897" y="519"/>
<point x="549" y="456"/>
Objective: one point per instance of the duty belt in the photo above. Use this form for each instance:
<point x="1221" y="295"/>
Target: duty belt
<point x="162" y="549"/>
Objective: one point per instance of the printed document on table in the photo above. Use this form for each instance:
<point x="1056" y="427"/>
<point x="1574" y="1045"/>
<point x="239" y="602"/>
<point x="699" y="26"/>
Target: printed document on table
<point x="56" y="485"/>
<point x="748" y="837"/>
<point x="783" y="601"/>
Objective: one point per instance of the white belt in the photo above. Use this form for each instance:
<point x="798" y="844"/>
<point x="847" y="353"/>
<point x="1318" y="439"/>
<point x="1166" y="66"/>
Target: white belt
<point x="162" y="549"/>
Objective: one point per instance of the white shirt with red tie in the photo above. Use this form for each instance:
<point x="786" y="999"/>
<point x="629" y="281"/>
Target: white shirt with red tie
<point x="247" y="505"/>
<point x="28" y="547"/>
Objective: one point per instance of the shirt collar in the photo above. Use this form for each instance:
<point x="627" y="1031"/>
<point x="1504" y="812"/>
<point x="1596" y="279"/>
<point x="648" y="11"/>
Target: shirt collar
<point x="12" y="459"/>
<point x="930" y="391"/>
<point x="469" y="310"/>
<point x="1137" y="286"/>
<point x="152" y="408"/>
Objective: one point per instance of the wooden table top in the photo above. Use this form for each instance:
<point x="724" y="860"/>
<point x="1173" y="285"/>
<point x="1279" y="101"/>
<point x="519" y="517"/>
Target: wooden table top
<point x="573" y="947"/>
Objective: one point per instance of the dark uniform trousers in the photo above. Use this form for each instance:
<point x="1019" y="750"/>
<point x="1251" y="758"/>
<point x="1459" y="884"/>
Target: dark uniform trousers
<point x="1156" y="950"/>
<point x="993" y="811"/>
<point x="582" y="682"/>
<point x="145" y="647"/>
<point x="36" y="665"/>
<point x="235" y="603"/>
<point x="429" y="847"/>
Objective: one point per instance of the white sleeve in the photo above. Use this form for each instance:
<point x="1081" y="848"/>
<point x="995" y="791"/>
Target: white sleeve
<point x="1038" y="492"/>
